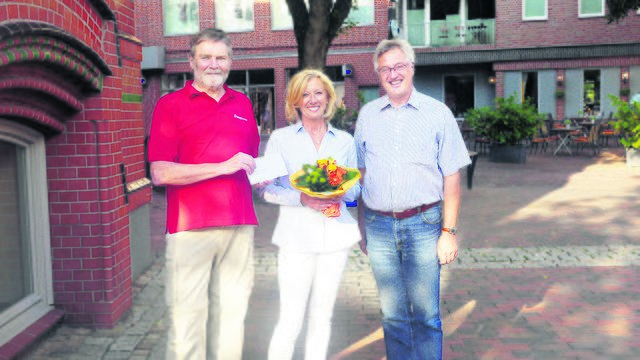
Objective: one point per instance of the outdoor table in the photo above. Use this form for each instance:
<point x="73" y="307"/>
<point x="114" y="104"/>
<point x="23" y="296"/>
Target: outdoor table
<point x="586" y="125"/>
<point x="565" y="137"/>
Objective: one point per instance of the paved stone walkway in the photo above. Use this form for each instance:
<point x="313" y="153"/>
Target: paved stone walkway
<point x="548" y="269"/>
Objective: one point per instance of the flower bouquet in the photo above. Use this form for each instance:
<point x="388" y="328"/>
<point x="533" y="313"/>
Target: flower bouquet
<point x="325" y="180"/>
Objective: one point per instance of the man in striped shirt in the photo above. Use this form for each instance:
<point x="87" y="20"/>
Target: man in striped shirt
<point x="410" y="151"/>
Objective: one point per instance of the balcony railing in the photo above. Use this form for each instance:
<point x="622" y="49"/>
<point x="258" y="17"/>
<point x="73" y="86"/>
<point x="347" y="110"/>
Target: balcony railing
<point x="450" y="32"/>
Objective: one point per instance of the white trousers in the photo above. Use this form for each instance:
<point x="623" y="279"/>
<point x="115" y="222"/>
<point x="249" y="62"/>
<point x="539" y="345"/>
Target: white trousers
<point x="209" y="278"/>
<point x="313" y="278"/>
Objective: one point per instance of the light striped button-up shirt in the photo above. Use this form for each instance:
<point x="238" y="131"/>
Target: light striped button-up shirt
<point x="406" y="151"/>
<point x="300" y="228"/>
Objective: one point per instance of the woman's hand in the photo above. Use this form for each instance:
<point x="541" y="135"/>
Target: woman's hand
<point x="263" y="184"/>
<point x="318" y="204"/>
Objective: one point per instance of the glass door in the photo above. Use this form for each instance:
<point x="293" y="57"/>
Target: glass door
<point x="459" y="93"/>
<point x="591" y="92"/>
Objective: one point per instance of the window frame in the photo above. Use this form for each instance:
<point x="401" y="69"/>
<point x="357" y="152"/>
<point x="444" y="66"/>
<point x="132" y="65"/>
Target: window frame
<point x="535" y="18"/>
<point x="221" y="24"/>
<point x="165" y="85"/>
<point x="581" y="15"/>
<point x="191" y="27"/>
<point x="32" y="307"/>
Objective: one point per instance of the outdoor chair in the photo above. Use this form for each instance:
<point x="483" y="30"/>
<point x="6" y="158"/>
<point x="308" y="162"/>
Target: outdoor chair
<point x="467" y="132"/>
<point x="483" y="142"/>
<point x="607" y="131"/>
<point x="541" y="137"/>
<point x="591" y="140"/>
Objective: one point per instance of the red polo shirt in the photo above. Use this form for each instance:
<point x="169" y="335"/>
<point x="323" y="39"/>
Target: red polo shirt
<point x="190" y="127"/>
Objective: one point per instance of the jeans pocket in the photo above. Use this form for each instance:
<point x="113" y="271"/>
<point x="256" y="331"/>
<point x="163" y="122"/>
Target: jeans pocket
<point x="369" y="217"/>
<point x="432" y="216"/>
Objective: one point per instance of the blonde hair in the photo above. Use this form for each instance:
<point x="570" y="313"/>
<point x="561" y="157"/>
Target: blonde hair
<point x="298" y="85"/>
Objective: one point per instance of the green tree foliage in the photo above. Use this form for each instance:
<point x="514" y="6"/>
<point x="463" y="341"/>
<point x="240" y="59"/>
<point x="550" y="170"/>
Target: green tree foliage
<point x="618" y="9"/>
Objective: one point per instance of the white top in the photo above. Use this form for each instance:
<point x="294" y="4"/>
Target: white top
<point x="299" y="228"/>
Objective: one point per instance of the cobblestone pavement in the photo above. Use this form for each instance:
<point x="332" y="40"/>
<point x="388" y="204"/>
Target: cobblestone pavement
<point x="548" y="269"/>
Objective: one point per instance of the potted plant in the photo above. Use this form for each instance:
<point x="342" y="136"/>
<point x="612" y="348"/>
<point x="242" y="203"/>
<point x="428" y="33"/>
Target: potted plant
<point x="507" y="126"/>
<point x="567" y="123"/>
<point x="628" y="126"/>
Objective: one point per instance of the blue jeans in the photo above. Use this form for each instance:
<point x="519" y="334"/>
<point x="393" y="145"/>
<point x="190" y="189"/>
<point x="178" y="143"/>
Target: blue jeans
<point x="404" y="260"/>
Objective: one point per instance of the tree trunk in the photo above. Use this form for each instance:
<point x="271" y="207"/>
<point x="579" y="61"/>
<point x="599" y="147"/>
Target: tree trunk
<point x="316" y="27"/>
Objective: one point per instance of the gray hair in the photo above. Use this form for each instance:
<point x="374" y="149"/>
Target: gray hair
<point x="388" y="45"/>
<point x="210" y="34"/>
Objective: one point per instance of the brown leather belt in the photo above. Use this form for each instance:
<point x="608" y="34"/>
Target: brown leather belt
<point x="406" y="213"/>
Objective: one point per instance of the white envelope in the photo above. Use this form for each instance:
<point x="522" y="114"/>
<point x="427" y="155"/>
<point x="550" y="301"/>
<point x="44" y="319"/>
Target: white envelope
<point x="267" y="168"/>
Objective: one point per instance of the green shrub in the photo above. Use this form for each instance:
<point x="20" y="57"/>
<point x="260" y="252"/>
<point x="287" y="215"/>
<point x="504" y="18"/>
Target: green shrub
<point x="628" y="121"/>
<point x="508" y="123"/>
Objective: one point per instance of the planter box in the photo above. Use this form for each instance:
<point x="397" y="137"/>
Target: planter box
<point x="508" y="153"/>
<point x="633" y="157"/>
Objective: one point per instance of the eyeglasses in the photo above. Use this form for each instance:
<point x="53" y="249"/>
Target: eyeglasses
<point x="399" y="68"/>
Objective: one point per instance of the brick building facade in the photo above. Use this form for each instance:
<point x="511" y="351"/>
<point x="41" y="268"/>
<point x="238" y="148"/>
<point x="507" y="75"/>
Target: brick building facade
<point x="73" y="113"/>
<point x="73" y="192"/>
<point x="467" y="52"/>
<point x="265" y="54"/>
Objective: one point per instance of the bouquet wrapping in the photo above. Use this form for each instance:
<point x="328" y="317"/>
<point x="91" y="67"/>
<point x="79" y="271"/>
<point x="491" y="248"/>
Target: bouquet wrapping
<point x="325" y="180"/>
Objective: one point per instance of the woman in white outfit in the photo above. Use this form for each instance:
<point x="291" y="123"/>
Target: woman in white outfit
<point x="313" y="248"/>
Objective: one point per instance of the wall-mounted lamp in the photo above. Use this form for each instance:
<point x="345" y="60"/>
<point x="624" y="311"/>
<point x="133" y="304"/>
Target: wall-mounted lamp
<point x="492" y="80"/>
<point x="560" y="80"/>
<point x="625" y="77"/>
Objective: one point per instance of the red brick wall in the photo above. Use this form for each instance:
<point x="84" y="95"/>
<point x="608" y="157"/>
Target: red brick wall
<point x="563" y="27"/>
<point x="89" y="211"/>
<point x="76" y="17"/>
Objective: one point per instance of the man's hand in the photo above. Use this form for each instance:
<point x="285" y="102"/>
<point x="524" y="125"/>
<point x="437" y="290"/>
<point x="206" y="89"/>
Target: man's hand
<point x="363" y="246"/>
<point x="239" y="161"/>
<point x="447" y="248"/>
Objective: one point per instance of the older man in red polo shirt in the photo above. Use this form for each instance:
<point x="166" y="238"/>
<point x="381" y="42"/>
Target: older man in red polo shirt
<point x="202" y="146"/>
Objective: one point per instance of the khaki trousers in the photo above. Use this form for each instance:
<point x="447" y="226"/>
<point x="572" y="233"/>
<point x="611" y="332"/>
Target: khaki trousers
<point x="209" y="278"/>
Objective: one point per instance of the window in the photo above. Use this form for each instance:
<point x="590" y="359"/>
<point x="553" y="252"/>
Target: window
<point x="173" y="82"/>
<point x="180" y="17"/>
<point x="281" y="18"/>
<point x="280" y="15"/>
<point x="234" y="15"/>
<point x="369" y="93"/>
<point x="259" y="86"/>
<point x="590" y="8"/>
<point x="25" y="246"/>
<point x="364" y="14"/>
<point x="534" y="9"/>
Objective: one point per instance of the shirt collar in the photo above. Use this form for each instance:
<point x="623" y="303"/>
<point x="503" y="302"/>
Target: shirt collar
<point x="299" y="128"/>
<point x="413" y="101"/>
<point x="192" y="92"/>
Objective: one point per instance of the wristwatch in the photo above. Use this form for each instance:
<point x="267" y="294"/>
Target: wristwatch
<point x="450" y="230"/>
